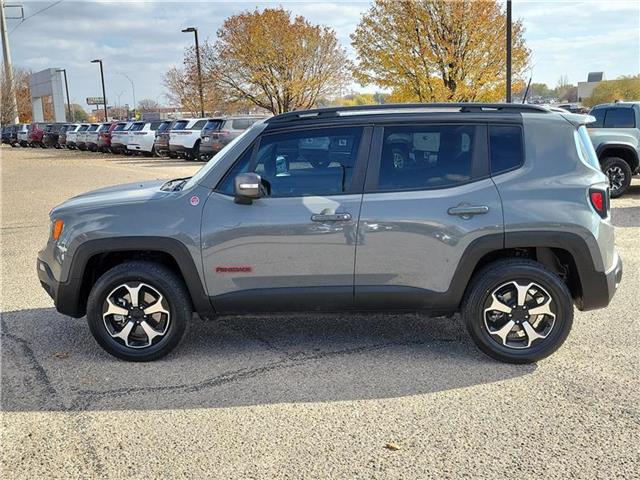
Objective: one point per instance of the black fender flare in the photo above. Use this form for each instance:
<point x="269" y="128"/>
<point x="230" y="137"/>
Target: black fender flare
<point x="69" y="293"/>
<point x="620" y="145"/>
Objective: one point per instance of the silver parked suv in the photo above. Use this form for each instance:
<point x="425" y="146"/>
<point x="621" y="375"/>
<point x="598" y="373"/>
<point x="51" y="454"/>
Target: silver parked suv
<point x="500" y="212"/>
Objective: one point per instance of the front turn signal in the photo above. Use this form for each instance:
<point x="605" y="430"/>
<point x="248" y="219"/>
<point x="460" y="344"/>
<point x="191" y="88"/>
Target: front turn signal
<point x="57" y="229"/>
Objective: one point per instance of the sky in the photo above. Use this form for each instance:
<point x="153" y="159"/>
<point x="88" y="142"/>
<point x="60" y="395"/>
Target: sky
<point x="143" y="39"/>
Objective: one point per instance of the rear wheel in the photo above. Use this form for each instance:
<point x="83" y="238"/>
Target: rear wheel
<point x="619" y="173"/>
<point x="518" y="311"/>
<point x="138" y="311"/>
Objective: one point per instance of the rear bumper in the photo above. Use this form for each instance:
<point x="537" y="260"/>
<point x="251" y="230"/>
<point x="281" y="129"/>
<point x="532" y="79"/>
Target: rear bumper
<point x="211" y="147"/>
<point x="599" y="288"/>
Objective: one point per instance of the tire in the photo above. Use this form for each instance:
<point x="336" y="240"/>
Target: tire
<point x="499" y="277"/>
<point x="156" y="278"/>
<point x="619" y="173"/>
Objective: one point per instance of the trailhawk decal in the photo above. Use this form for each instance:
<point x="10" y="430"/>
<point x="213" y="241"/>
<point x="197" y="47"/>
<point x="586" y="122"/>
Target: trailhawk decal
<point x="234" y="269"/>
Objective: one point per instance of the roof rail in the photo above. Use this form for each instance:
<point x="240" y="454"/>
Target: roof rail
<point x="463" y="107"/>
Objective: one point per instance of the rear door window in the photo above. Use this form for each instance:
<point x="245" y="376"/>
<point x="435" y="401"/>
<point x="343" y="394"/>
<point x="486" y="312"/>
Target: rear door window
<point x="505" y="143"/>
<point x="424" y="157"/>
<point x="620" y="118"/>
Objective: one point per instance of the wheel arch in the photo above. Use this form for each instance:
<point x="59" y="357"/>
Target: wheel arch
<point x="565" y="253"/>
<point x="621" y="150"/>
<point x="94" y="257"/>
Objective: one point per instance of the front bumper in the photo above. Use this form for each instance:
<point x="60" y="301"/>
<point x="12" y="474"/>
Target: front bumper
<point x="65" y="295"/>
<point x="599" y="288"/>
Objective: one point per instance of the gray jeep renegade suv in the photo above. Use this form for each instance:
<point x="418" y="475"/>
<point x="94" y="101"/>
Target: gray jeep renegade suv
<point x="500" y="212"/>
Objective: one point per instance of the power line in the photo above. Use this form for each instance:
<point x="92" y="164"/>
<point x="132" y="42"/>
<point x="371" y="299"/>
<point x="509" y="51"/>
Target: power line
<point x="34" y="14"/>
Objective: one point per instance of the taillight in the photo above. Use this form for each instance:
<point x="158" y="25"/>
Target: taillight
<point x="599" y="201"/>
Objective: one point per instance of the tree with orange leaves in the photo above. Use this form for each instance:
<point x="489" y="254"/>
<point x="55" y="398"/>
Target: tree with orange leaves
<point x="276" y="62"/>
<point x="434" y="50"/>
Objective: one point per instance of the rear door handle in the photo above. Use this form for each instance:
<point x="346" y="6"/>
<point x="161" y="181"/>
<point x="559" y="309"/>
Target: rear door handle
<point x="468" y="210"/>
<point x="334" y="217"/>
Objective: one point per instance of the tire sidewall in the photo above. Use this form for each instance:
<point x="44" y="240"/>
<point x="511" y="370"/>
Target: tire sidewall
<point x="492" y="279"/>
<point x="178" y="310"/>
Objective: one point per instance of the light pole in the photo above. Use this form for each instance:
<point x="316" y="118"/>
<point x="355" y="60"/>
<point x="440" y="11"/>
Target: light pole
<point x="195" y="31"/>
<point x="133" y="89"/>
<point x="66" y="87"/>
<point x="8" y="69"/>
<point x="508" y="51"/>
<point x="104" y="94"/>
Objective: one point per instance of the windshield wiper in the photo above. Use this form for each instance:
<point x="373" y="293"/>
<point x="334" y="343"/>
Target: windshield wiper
<point x="175" y="184"/>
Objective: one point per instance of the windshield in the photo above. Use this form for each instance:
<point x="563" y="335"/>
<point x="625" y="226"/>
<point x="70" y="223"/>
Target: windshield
<point x="136" y="127"/>
<point x="83" y="128"/>
<point x="93" y="128"/>
<point x="210" y="164"/>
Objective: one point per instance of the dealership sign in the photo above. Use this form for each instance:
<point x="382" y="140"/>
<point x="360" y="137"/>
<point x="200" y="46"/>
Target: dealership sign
<point x="95" y="101"/>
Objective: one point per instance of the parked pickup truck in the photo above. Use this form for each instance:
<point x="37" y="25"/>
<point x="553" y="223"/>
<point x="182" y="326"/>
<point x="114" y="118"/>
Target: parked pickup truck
<point x="616" y="137"/>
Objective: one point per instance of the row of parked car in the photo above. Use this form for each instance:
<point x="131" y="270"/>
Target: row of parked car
<point x="189" y="138"/>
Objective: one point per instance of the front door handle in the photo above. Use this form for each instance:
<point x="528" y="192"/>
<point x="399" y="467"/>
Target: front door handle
<point x="333" y="217"/>
<point x="467" y="211"/>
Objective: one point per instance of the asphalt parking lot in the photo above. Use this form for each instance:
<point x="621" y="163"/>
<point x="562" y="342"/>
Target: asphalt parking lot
<point x="299" y="396"/>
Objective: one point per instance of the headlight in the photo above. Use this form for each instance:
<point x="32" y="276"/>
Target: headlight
<point x="56" y="229"/>
<point x="206" y="139"/>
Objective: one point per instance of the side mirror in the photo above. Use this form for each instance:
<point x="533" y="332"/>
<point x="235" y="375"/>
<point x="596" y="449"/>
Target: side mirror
<point x="248" y="186"/>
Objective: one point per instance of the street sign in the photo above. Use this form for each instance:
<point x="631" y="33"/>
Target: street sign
<point x="95" y="101"/>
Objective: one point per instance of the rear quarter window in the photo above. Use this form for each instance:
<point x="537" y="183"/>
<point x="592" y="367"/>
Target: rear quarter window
<point x="506" y="147"/>
<point x="620" y="118"/>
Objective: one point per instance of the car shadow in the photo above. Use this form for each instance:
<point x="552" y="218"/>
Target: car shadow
<point x="625" y="217"/>
<point x="51" y="362"/>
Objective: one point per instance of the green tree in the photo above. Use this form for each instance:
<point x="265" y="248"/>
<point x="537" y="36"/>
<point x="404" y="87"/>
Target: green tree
<point x="624" y="88"/>
<point x="432" y="50"/>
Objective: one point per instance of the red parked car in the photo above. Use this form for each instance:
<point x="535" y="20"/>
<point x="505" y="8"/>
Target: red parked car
<point x="104" y="137"/>
<point x="36" y="134"/>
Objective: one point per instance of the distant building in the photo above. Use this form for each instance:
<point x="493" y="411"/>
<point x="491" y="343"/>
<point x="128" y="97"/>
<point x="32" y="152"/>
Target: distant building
<point x="585" y="89"/>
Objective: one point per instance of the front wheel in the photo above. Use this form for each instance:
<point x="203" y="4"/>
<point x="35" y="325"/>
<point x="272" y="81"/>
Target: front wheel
<point x="518" y="311"/>
<point x="138" y="311"/>
<point x="619" y="173"/>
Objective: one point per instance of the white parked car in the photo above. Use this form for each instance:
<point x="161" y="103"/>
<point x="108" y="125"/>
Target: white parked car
<point x="81" y="138"/>
<point x="91" y="137"/>
<point x="120" y="137"/>
<point x="184" y="137"/>
<point x="72" y="135"/>
<point x="23" y="134"/>
<point x="142" y="135"/>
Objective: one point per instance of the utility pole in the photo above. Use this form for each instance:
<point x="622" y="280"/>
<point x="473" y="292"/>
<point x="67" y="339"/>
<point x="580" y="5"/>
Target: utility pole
<point x="8" y="69"/>
<point x="66" y="87"/>
<point x="195" y="31"/>
<point x="508" y="51"/>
